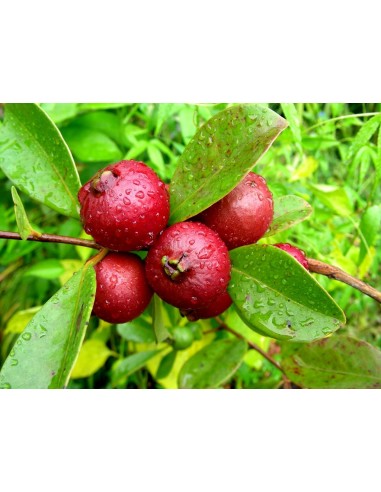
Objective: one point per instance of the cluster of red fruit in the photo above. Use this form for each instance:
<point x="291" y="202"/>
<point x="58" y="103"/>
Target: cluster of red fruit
<point x="125" y="207"/>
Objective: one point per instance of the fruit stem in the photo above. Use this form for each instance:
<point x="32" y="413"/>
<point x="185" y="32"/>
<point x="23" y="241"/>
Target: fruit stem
<point x="336" y="273"/>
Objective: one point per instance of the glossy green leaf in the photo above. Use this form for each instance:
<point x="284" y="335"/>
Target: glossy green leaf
<point x="91" y="358"/>
<point x="166" y="364"/>
<point x="104" y="122"/>
<point x="23" y="224"/>
<point x="333" y="197"/>
<point x="277" y="297"/>
<point x="35" y="157"/>
<point x="335" y="362"/>
<point x="46" y="351"/>
<point x="292" y="118"/>
<point x="289" y="210"/>
<point x="49" y="269"/>
<point x="138" y="330"/>
<point x="90" y="145"/>
<point x="221" y="153"/>
<point x="161" y="332"/>
<point x="213" y="365"/>
<point x="125" y="367"/>
<point x="369" y="227"/>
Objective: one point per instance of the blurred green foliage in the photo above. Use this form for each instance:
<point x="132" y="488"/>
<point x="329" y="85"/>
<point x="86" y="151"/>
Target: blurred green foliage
<point x="330" y="155"/>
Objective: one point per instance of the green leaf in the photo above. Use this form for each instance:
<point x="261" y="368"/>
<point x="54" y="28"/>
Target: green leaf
<point x="334" y="362"/>
<point x="92" y="357"/>
<point x="45" y="353"/>
<point x="277" y="297"/>
<point x="19" y="320"/>
<point x="289" y="210"/>
<point x="221" y="153"/>
<point x="91" y="145"/>
<point x="61" y="111"/>
<point x="333" y="197"/>
<point x="49" y="269"/>
<point x="213" y="365"/>
<point x="125" y="367"/>
<point x="166" y="364"/>
<point x="94" y="106"/>
<point x="292" y="118"/>
<point x="103" y="122"/>
<point x="35" y="157"/>
<point x="161" y="332"/>
<point x="369" y="227"/>
<point x="138" y="330"/>
<point x="23" y="225"/>
<point x="363" y="136"/>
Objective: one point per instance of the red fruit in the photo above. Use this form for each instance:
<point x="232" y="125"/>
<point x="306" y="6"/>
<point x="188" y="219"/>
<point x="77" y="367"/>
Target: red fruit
<point x="297" y="253"/>
<point x="122" y="291"/>
<point x="244" y="215"/>
<point x="124" y="206"/>
<point x="188" y="265"/>
<point x="216" y="307"/>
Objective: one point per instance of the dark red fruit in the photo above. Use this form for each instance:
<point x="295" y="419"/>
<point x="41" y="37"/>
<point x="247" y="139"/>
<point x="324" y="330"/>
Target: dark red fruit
<point x="188" y="265"/>
<point x="297" y="253"/>
<point x="244" y="215"/>
<point x="124" y="206"/>
<point x="122" y="292"/>
<point x="215" y="308"/>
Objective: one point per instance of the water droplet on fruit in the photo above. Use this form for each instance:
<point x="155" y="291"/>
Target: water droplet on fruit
<point x="136" y="182"/>
<point x="140" y="194"/>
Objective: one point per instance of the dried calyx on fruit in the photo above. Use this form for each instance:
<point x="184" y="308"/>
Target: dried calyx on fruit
<point x="297" y="253"/>
<point x="188" y="265"/>
<point x="125" y="206"/>
<point x="216" y="307"/>
<point x="242" y="216"/>
<point x="122" y="292"/>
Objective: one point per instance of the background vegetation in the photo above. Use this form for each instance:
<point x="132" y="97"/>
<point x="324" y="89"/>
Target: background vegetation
<point x="330" y="155"/>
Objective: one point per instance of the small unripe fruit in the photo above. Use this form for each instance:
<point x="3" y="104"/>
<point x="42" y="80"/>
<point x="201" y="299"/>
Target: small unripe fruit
<point x="183" y="338"/>
<point x="243" y="216"/>
<point x="188" y="265"/>
<point x="122" y="292"/>
<point x="297" y="253"/>
<point x="124" y="206"/>
<point x="216" y="307"/>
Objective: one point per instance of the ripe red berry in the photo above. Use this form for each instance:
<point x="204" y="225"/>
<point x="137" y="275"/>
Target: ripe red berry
<point x="122" y="291"/>
<point x="244" y="215"/>
<point x="216" y="307"/>
<point x="188" y="265"/>
<point x="124" y="206"/>
<point x="297" y="253"/>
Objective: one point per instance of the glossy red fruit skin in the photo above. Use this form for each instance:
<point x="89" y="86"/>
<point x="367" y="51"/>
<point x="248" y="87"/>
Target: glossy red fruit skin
<point x="122" y="292"/>
<point x="297" y="253"/>
<point x="215" y="308"/>
<point x="203" y="259"/>
<point x="243" y="215"/>
<point x="125" y="206"/>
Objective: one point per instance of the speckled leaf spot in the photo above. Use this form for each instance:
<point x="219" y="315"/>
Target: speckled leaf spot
<point x="221" y="153"/>
<point x="336" y="362"/>
<point x="277" y="297"/>
<point x="46" y="351"/>
<point x="35" y="157"/>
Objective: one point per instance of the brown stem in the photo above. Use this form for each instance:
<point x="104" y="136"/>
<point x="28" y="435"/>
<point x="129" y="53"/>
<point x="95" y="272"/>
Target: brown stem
<point x="330" y="271"/>
<point x="251" y="344"/>
<point x="52" y="238"/>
